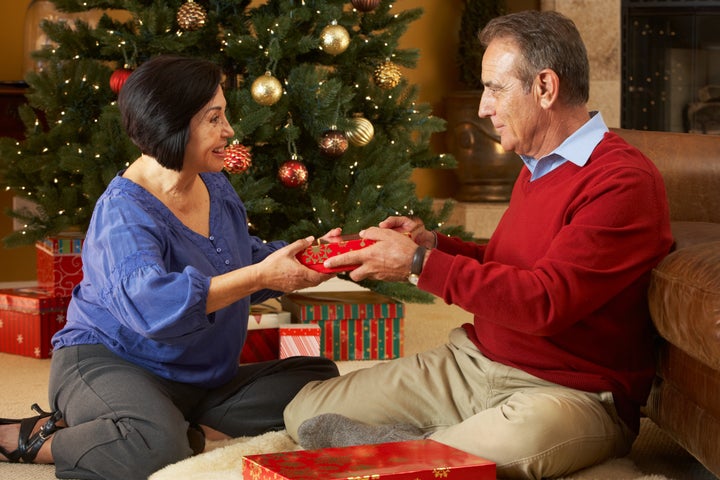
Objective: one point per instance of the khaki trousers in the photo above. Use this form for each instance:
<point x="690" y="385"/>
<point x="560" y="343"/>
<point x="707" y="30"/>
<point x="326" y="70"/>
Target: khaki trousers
<point x="529" y="427"/>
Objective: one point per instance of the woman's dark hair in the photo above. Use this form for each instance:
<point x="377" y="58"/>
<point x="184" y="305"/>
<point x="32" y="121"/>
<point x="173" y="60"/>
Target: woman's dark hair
<point x="545" y="39"/>
<point x="159" y="99"/>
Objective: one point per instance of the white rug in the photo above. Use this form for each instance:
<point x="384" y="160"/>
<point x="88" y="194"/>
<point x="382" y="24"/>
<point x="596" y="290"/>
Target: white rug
<point x="224" y="462"/>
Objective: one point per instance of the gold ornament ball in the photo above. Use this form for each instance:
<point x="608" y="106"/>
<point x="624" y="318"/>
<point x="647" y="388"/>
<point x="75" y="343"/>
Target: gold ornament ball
<point x="334" y="39"/>
<point x="361" y="133"/>
<point x="387" y="75"/>
<point x="191" y="16"/>
<point x="266" y="90"/>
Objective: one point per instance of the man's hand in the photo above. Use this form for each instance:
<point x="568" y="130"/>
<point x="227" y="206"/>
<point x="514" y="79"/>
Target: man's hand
<point x="410" y="226"/>
<point x="388" y="259"/>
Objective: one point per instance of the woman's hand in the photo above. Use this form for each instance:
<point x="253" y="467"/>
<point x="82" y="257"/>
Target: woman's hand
<point x="282" y="271"/>
<point x="333" y="236"/>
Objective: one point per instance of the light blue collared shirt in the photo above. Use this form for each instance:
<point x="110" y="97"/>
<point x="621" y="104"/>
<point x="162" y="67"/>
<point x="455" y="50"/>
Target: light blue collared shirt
<point x="577" y="148"/>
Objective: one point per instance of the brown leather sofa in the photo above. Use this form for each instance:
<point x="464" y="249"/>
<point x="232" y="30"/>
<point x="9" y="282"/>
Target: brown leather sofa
<point x="684" y="293"/>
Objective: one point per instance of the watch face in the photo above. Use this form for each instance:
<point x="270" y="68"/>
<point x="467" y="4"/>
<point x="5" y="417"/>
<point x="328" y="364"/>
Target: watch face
<point x="413" y="278"/>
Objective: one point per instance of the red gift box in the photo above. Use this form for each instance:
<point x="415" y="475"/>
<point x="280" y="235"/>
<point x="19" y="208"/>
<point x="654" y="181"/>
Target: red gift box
<point x="299" y="339"/>
<point x="362" y="339"/>
<point x="310" y="307"/>
<point x="29" y="317"/>
<point x="263" y="337"/>
<point x="314" y="256"/>
<point x="59" y="264"/>
<point x="260" y="345"/>
<point x="359" y="325"/>
<point x="411" y="460"/>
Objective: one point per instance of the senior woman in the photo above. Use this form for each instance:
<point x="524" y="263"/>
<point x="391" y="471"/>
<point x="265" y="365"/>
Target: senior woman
<point x="146" y="367"/>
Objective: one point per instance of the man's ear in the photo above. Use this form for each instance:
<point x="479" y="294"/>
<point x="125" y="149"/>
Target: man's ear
<point x="547" y="86"/>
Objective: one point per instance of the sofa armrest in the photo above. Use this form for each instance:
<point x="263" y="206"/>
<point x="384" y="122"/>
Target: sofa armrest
<point x="684" y="300"/>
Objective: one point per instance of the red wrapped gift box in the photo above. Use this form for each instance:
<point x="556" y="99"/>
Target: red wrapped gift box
<point x="358" y="325"/>
<point x="263" y="337"/>
<point x="29" y="317"/>
<point x="314" y="256"/>
<point x="362" y="339"/>
<point x="411" y="460"/>
<point x="299" y="340"/>
<point x="310" y="307"/>
<point x="260" y="345"/>
<point x="59" y="264"/>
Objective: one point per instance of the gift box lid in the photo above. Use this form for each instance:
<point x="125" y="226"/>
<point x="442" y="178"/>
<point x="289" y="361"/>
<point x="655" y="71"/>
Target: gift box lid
<point x="308" y="307"/>
<point x="266" y="315"/>
<point x="62" y="244"/>
<point x="31" y="300"/>
<point x="410" y="460"/>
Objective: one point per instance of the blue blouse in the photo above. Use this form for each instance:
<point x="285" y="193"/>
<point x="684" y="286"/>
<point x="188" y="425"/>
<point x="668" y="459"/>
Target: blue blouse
<point x="146" y="278"/>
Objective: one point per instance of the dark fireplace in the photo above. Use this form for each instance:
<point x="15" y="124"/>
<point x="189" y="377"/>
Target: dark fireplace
<point x="671" y="65"/>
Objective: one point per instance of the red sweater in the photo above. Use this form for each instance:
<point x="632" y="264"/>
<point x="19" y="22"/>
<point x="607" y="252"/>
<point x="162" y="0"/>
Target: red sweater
<point x="560" y="290"/>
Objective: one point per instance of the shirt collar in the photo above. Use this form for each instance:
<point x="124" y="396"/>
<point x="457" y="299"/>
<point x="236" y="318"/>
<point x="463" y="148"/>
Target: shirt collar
<point x="578" y="147"/>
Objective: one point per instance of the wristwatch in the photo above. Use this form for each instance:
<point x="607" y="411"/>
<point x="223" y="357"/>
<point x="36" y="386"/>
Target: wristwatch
<point x="417" y="265"/>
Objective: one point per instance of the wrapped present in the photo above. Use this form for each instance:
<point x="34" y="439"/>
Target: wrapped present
<point x="362" y="339"/>
<point x="311" y="307"/>
<point x="314" y="256"/>
<point x="265" y="315"/>
<point x="411" y="460"/>
<point x="263" y="337"/>
<point x="59" y="263"/>
<point x="260" y="345"/>
<point x="29" y="317"/>
<point x="358" y="325"/>
<point x="299" y="340"/>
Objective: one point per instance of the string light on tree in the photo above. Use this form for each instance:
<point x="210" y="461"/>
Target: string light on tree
<point x="191" y="16"/>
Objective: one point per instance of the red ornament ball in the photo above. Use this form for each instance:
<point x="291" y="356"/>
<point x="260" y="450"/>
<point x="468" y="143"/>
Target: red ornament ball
<point x="237" y="158"/>
<point x="293" y="174"/>
<point x="365" y="5"/>
<point x="117" y="79"/>
<point x="333" y="143"/>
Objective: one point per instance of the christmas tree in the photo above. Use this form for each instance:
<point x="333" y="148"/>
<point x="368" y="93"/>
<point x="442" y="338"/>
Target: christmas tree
<point x="327" y="128"/>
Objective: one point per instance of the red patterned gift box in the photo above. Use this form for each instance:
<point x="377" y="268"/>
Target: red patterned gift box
<point x="310" y="307"/>
<point x="263" y="337"/>
<point x="359" y="325"/>
<point x="314" y="256"/>
<point x="411" y="460"/>
<point x="362" y="339"/>
<point x="29" y="317"/>
<point x="59" y="265"/>
<point x="299" y="339"/>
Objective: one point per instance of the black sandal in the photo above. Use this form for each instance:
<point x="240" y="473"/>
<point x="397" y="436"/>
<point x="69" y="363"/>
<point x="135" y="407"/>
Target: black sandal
<point x="28" y="443"/>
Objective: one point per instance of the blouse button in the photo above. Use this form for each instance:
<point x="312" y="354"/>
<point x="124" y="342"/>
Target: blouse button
<point x="227" y="262"/>
<point x="218" y="250"/>
<point x="211" y="238"/>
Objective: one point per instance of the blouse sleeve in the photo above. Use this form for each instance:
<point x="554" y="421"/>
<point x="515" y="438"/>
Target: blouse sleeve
<point x="125" y="259"/>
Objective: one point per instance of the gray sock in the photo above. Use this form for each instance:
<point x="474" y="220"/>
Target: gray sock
<point x="333" y="430"/>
